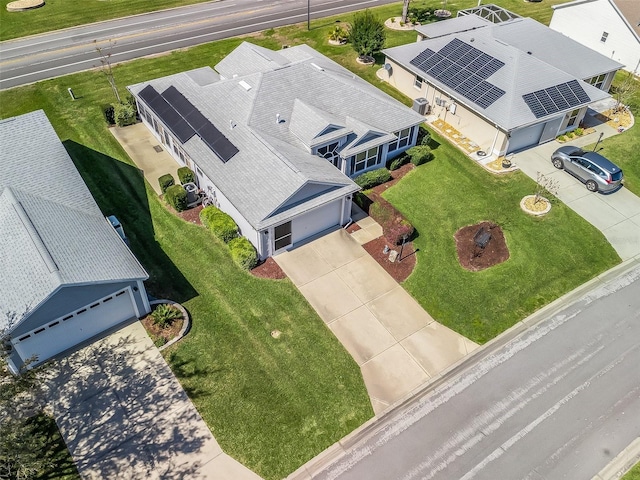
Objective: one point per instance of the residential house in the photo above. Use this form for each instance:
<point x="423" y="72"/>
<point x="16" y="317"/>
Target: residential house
<point x="506" y="85"/>
<point x="611" y="27"/>
<point x="67" y="276"/>
<point x="275" y="138"/>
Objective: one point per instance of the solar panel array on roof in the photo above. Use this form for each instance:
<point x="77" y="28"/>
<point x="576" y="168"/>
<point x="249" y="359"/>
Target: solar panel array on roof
<point x="464" y="69"/>
<point x="555" y="99"/>
<point x="184" y="120"/>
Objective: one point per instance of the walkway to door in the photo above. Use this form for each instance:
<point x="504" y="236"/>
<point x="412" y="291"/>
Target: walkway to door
<point x="396" y="343"/>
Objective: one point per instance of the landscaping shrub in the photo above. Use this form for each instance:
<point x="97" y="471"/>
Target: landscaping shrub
<point x="579" y="131"/>
<point x="165" y="314"/>
<point x="221" y="224"/>
<point x="398" y="162"/>
<point x="420" y="154"/>
<point x="166" y="181"/>
<point x="186" y="175"/>
<point x="362" y="201"/>
<point x="373" y="178"/>
<point x="176" y="196"/>
<point x="109" y="114"/>
<point x="367" y="33"/>
<point x="394" y="225"/>
<point x="426" y="139"/>
<point x="419" y="14"/>
<point x="243" y="253"/>
<point x="125" y="114"/>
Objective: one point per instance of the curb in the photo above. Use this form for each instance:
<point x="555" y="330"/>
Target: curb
<point x="186" y="324"/>
<point x="373" y="425"/>
<point x="622" y="463"/>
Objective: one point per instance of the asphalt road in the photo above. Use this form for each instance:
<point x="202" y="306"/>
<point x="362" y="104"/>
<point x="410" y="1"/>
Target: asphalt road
<point x="38" y="57"/>
<point x="560" y="401"/>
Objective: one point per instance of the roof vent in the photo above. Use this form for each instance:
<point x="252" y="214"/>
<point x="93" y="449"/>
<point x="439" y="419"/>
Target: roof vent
<point x="528" y="53"/>
<point x="278" y="119"/>
<point x="232" y="124"/>
<point x="317" y="67"/>
<point x="244" y="85"/>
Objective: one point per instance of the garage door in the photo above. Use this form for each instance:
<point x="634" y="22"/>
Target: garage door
<point x="316" y="221"/>
<point x="76" y="327"/>
<point x="525" y="137"/>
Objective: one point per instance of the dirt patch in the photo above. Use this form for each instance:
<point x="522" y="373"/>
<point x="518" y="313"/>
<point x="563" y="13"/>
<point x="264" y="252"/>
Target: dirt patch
<point x="192" y="215"/>
<point x="160" y="335"/>
<point x="269" y="269"/>
<point x="399" y="270"/>
<point x="474" y="258"/>
<point x="354" y="227"/>
<point x="619" y="120"/>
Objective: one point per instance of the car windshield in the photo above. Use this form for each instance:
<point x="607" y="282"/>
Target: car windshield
<point x="616" y="176"/>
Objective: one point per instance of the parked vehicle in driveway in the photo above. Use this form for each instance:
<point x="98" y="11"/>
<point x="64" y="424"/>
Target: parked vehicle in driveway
<point x="591" y="168"/>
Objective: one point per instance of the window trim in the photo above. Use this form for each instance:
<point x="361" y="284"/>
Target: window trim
<point x="395" y="144"/>
<point x="417" y="83"/>
<point x="287" y="236"/>
<point x="365" y="161"/>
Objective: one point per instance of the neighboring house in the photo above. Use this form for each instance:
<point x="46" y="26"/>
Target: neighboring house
<point x="66" y="274"/>
<point x="275" y="137"/>
<point x="506" y="86"/>
<point x="611" y="27"/>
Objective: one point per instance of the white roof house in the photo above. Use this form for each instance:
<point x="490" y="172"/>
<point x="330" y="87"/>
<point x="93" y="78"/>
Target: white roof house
<point x="610" y="27"/>
<point x="506" y="85"/>
<point x="64" y="267"/>
<point x="297" y="127"/>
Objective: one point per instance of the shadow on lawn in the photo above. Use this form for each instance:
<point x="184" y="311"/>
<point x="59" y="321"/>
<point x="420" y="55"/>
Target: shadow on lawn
<point x="119" y="189"/>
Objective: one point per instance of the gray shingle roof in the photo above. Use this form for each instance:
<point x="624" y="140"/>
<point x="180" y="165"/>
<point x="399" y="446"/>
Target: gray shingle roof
<point x="58" y="235"/>
<point x="522" y="73"/>
<point x="453" y="25"/>
<point x="273" y="160"/>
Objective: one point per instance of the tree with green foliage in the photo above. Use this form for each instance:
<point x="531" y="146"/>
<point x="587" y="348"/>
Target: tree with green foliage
<point x="366" y="33"/>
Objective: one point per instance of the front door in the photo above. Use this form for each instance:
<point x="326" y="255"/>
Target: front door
<point x="282" y="236"/>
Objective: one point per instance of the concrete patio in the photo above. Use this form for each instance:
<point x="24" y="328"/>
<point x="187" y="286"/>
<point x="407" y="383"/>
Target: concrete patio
<point x="396" y="343"/>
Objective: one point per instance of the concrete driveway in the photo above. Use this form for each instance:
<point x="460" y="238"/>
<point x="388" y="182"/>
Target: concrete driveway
<point x="616" y="215"/>
<point x="396" y="343"/>
<point x="123" y="414"/>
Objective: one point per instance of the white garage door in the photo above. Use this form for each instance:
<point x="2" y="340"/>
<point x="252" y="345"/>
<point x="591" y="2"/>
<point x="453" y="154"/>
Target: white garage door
<point x="72" y="329"/>
<point x="316" y="221"/>
<point x="525" y="137"/>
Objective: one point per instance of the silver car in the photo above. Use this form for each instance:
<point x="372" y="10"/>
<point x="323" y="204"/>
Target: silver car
<point x="591" y="168"/>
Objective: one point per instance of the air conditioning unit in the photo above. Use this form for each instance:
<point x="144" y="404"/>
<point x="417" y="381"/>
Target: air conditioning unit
<point x="421" y="105"/>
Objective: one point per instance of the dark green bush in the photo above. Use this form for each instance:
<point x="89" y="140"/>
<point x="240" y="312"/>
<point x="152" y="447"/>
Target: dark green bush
<point x="373" y="178"/>
<point x="125" y="114"/>
<point x="166" y="181"/>
<point x="420" y="154"/>
<point x="176" y="196"/>
<point x="366" y="33"/>
<point x="426" y="139"/>
<point x="398" y="162"/>
<point x="221" y="224"/>
<point x="186" y="175"/>
<point x="165" y="314"/>
<point x="362" y="201"/>
<point x="109" y="115"/>
<point x="419" y="14"/>
<point x="243" y="253"/>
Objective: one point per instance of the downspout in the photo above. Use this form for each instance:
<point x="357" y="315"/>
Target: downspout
<point x="495" y="139"/>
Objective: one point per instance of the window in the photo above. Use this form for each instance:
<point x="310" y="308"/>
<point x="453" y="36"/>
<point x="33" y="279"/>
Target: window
<point x="597" y="81"/>
<point x="572" y="117"/>
<point x="330" y="152"/>
<point x="365" y="160"/>
<point x="604" y="37"/>
<point x="404" y="137"/>
<point x="418" y="83"/>
<point x="282" y="235"/>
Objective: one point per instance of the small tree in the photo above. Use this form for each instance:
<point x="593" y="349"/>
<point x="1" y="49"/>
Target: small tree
<point x="105" y="66"/>
<point x="544" y="185"/>
<point x="624" y="91"/>
<point x="366" y="34"/>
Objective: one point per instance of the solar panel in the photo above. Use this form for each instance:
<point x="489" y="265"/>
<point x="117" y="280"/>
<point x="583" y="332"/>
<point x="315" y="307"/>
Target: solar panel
<point x="462" y="68"/>
<point x="178" y="101"/>
<point x="196" y="119"/>
<point x="148" y="94"/>
<point x="217" y="142"/>
<point x="183" y="131"/>
<point x="209" y="134"/>
<point x="557" y="98"/>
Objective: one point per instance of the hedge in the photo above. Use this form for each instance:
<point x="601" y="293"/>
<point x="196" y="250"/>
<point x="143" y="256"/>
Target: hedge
<point x="125" y="114"/>
<point x="176" y="196"/>
<point x="398" y="162"/>
<point x="166" y="181"/>
<point x="186" y="175"/>
<point x="243" y="253"/>
<point x="109" y="115"/>
<point x="420" y="154"/>
<point x="221" y="224"/>
<point x="373" y="178"/>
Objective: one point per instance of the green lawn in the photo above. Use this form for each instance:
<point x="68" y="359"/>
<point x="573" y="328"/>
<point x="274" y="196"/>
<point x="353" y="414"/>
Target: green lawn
<point x="633" y="474"/>
<point x="547" y="254"/>
<point x="53" y="450"/>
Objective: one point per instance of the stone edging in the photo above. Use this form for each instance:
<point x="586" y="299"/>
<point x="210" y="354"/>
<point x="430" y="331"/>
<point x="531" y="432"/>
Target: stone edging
<point x="531" y="212"/>
<point x="186" y="323"/>
<point x="396" y="25"/>
<point x="23" y="5"/>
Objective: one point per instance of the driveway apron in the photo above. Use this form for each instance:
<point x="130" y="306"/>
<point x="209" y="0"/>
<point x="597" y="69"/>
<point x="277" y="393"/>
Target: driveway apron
<point x="123" y="414"/>
<point x="616" y="215"/>
<point x="396" y="343"/>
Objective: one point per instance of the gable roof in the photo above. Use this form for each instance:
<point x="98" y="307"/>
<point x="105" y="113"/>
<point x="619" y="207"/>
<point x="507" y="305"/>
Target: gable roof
<point x="522" y="72"/>
<point x="54" y="233"/>
<point x="310" y="95"/>
<point x="629" y="11"/>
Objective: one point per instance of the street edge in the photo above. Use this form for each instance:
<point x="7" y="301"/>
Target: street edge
<point x="623" y="462"/>
<point x="340" y="448"/>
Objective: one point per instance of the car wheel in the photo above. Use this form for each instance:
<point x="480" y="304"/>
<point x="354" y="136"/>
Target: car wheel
<point x="557" y="163"/>
<point x="592" y="186"/>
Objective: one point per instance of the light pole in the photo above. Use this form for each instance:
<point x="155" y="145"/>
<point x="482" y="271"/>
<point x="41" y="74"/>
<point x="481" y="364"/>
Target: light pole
<point x="308" y="14"/>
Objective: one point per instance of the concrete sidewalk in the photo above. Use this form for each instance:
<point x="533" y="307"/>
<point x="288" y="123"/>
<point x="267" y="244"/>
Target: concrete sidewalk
<point x="396" y="343"/>
<point x="123" y="414"/>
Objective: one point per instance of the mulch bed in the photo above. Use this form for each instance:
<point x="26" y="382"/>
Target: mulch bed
<point x="399" y="270"/>
<point x="156" y="331"/>
<point x="472" y="257"/>
<point x="269" y="269"/>
<point x="192" y="215"/>
<point x="354" y="227"/>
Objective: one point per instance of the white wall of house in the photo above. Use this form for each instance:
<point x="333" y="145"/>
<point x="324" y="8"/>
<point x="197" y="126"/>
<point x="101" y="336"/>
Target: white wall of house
<point x="587" y="23"/>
